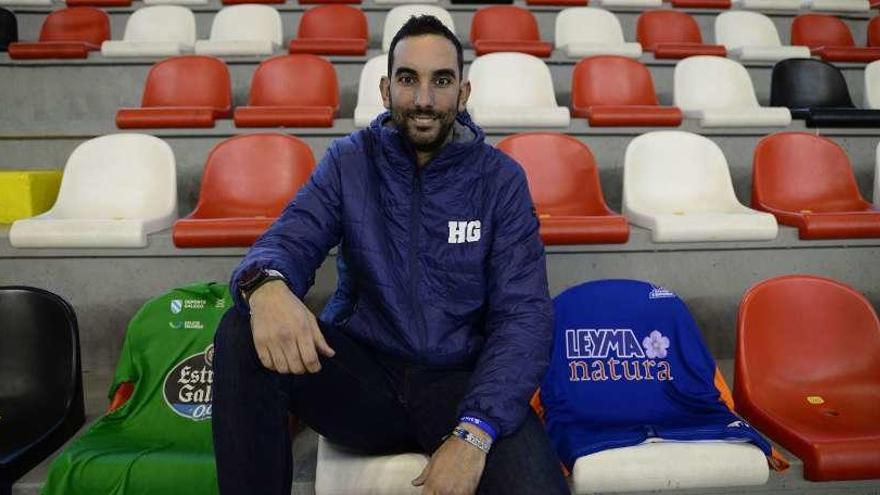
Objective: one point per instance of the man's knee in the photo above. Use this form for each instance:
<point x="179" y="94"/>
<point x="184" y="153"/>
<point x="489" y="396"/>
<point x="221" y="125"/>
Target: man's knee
<point x="233" y="341"/>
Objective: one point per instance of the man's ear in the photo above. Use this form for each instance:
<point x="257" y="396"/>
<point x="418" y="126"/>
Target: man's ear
<point x="464" y="92"/>
<point x="385" y="91"/>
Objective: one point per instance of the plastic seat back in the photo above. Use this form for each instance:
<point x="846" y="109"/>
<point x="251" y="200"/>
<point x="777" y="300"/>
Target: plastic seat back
<point x="705" y="83"/>
<point x="295" y="80"/>
<point x="84" y="24"/>
<point x="798" y="172"/>
<point x="491" y="76"/>
<point x="667" y="26"/>
<point x="397" y="17"/>
<point x="872" y="85"/>
<point x="369" y="102"/>
<point x="162" y="23"/>
<point x="118" y="177"/>
<point x="737" y="29"/>
<point x="672" y="172"/>
<point x="803" y="83"/>
<point x="41" y="393"/>
<point x="818" y="30"/>
<point x="588" y="25"/>
<point x="192" y="81"/>
<point x="796" y="337"/>
<point x="561" y="171"/>
<point x="253" y="175"/>
<point x="611" y="80"/>
<point x="874" y="32"/>
<point x="247" y="23"/>
<point x="8" y="29"/>
<point x="333" y="21"/>
<point x="504" y="22"/>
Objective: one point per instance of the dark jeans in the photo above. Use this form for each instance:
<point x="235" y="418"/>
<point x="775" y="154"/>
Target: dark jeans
<point x="359" y="400"/>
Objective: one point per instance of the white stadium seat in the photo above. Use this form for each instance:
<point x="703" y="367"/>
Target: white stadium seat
<point x="116" y="189"/>
<point x="243" y="30"/>
<point x="872" y="85"/>
<point x="157" y="31"/>
<point x="719" y="92"/>
<point x="628" y="3"/>
<point x="838" y="5"/>
<point x="342" y="472"/>
<point x="588" y="31"/>
<point x="768" y="5"/>
<point x="369" y="102"/>
<point x="670" y="466"/>
<point x="752" y="36"/>
<point x="513" y="90"/>
<point x="677" y="184"/>
<point x="25" y="3"/>
<point x="175" y="2"/>
<point x="397" y="17"/>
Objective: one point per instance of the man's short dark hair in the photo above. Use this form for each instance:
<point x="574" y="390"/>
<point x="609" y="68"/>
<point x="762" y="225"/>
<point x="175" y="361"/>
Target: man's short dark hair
<point x="420" y="26"/>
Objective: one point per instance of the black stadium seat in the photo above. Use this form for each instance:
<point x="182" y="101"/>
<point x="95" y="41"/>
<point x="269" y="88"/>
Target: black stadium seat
<point x="8" y="29"/>
<point x="816" y="91"/>
<point x="41" y="394"/>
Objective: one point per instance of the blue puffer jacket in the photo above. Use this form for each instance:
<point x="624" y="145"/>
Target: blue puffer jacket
<point x="440" y="266"/>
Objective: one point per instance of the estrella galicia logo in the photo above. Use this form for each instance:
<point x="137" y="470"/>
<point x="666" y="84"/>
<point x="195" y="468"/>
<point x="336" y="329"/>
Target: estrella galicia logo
<point x="176" y="306"/>
<point x="188" y="386"/>
<point x="177" y="325"/>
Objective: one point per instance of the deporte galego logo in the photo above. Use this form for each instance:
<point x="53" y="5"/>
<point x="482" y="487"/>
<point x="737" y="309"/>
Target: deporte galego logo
<point x="188" y="386"/>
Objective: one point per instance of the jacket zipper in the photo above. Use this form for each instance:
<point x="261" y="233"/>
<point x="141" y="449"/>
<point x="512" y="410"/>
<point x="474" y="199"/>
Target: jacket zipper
<point x="415" y="225"/>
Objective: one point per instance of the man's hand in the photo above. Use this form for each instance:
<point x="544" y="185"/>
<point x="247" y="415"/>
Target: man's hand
<point x="455" y="468"/>
<point x="286" y="333"/>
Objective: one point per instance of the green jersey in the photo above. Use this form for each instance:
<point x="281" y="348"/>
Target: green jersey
<point x="159" y="441"/>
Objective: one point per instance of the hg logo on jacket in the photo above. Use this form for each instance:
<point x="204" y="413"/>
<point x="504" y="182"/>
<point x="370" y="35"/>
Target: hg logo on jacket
<point x="435" y="264"/>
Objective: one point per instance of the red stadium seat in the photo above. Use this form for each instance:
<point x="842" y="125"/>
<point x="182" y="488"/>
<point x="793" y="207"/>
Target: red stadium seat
<point x="291" y="91"/>
<point x="808" y="373"/>
<point x="565" y="187"/>
<point x="806" y="181"/>
<point x="701" y="4"/>
<point x="332" y="30"/>
<point x="248" y="180"/>
<point x="874" y="32"/>
<point x="563" y="3"/>
<point x="67" y="33"/>
<point x="673" y="34"/>
<point x="180" y="92"/>
<point x="616" y="91"/>
<point x="505" y="28"/>
<point x="830" y="38"/>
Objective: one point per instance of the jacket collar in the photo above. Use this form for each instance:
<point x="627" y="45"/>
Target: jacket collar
<point x="467" y="138"/>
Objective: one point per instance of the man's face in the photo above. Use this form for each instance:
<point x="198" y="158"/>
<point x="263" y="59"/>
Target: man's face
<point x="424" y="91"/>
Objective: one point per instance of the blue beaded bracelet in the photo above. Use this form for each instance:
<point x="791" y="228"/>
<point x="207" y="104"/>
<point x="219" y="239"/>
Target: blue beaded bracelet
<point x="479" y="423"/>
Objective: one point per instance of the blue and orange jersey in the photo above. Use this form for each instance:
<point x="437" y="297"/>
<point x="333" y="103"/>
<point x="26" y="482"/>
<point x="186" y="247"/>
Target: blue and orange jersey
<point x="628" y="366"/>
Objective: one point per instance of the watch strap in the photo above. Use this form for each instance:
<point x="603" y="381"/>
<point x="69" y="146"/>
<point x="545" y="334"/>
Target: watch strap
<point x="472" y="439"/>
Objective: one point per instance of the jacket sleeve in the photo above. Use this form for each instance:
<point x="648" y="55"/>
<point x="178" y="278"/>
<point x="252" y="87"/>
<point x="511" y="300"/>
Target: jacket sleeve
<point x="519" y="321"/>
<point x="297" y="243"/>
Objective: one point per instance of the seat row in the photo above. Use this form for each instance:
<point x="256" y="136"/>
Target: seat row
<point x="765" y="5"/>
<point x="302" y="91"/>
<point x="116" y="189"/>
<point x="342" y="30"/>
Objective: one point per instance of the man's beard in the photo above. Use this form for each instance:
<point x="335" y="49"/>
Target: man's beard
<point x="403" y="121"/>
